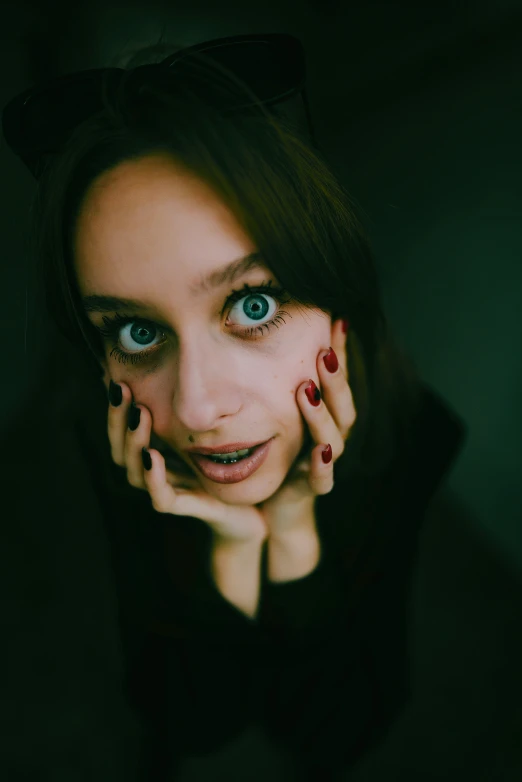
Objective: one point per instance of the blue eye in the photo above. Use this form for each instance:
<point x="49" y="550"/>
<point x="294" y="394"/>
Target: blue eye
<point x="255" y="307"/>
<point x="139" y="332"/>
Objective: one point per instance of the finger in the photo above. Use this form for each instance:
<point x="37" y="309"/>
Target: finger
<point x="137" y="439"/>
<point x="169" y="494"/>
<point x="321" y="478"/>
<point x="117" y="423"/>
<point x="164" y="496"/>
<point x="337" y="396"/>
<point x="180" y="501"/>
<point x="323" y="428"/>
<point x="340" y="345"/>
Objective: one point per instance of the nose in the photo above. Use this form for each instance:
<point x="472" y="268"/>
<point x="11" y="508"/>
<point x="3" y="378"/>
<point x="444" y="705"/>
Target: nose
<point x="207" y="387"/>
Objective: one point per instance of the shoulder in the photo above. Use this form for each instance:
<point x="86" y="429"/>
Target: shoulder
<point x="437" y="438"/>
<point x="370" y="514"/>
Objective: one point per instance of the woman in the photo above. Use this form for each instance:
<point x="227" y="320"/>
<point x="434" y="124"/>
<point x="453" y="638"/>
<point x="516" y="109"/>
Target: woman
<point x="266" y="455"/>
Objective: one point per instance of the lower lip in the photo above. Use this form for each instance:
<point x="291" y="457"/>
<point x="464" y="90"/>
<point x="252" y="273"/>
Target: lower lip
<point x="232" y="473"/>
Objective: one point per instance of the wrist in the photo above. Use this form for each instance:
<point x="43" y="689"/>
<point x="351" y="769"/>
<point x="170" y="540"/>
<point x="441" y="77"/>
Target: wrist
<point x="236" y="572"/>
<point x="238" y="544"/>
<point x="293" y="554"/>
<point x="303" y="527"/>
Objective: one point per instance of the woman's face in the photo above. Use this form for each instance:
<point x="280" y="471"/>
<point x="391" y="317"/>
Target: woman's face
<point x="150" y="232"/>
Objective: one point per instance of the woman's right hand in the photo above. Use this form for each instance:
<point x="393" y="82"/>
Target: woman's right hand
<point x="170" y="492"/>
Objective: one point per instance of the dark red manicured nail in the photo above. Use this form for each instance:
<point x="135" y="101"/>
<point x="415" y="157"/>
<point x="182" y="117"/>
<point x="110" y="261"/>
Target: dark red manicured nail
<point x="346" y="326"/>
<point x="313" y="393"/>
<point x="330" y="361"/>
<point x="327" y="454"/>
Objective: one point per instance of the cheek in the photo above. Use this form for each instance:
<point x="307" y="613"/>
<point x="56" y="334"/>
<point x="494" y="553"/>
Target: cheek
<point x="300" y="363"/>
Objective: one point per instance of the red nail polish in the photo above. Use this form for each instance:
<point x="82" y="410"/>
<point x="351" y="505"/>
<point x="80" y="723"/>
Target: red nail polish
<point x="313" y="393"/>
<point x="346" y="326"/>
<point x="327" y="454"/>
<point x="330" y="361"/>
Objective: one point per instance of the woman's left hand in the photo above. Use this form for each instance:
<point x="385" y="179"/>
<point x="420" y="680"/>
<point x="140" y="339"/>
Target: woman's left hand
<point x="329" y="421"/>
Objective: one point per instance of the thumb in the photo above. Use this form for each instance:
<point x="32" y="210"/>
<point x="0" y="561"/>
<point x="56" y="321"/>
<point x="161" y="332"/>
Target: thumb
<point x="229" y="522"/>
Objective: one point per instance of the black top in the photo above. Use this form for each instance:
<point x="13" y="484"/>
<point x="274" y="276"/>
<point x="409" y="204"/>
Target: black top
<point x="177" y="670"/>
<point x="324" y="666"/>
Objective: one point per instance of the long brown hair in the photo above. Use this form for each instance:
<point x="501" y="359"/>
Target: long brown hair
<point x="283" y="193"/>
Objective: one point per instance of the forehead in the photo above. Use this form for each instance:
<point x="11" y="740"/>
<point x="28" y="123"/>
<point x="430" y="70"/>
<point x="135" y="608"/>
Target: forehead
<point x="147" y="222"/>
<point x="149" y="202"/>
<point x="144" y="186"/>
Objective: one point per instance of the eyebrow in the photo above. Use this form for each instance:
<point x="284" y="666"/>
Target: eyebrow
<point x="212" y="281"/>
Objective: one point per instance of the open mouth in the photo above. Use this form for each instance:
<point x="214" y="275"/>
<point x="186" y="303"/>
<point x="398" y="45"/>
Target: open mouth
<point x="234" y="467"/>
<point x="231" y="458"/>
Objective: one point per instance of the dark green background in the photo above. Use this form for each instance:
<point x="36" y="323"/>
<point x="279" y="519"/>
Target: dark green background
<point x="419" y="108"/>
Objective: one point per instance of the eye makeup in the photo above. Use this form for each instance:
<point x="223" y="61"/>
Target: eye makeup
<point x="114" y="324"/>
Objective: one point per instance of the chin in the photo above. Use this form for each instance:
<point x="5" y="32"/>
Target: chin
<point x="242" y="493"/>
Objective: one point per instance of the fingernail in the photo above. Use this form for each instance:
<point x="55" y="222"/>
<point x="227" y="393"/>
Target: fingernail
<point x="146" y="459"/>
<point x="346" y="326"/>
<point x="327" y="454"/>
<point x="330" y="361"/>
<point x="134" y="417"/>
<point x="313" y="393"/>
<point x="115" y="394"/>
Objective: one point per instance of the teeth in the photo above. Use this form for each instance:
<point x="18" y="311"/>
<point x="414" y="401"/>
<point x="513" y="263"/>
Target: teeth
<point x="232" y="455"/>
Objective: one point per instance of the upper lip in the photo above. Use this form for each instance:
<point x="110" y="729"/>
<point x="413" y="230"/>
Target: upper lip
<point x="227" y="448"/>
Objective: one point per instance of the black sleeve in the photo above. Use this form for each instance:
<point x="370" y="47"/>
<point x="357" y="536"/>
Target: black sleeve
<point x="139" y="537"/>
<point x="204" y="609"/>
<point x="340" y="663"/>
<point x="187" y="649"/>
<point x="339" y="678"/>
<point x="304" y="606"/>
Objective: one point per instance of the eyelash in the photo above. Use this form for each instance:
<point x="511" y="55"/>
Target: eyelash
<point x="114" y="324"/>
